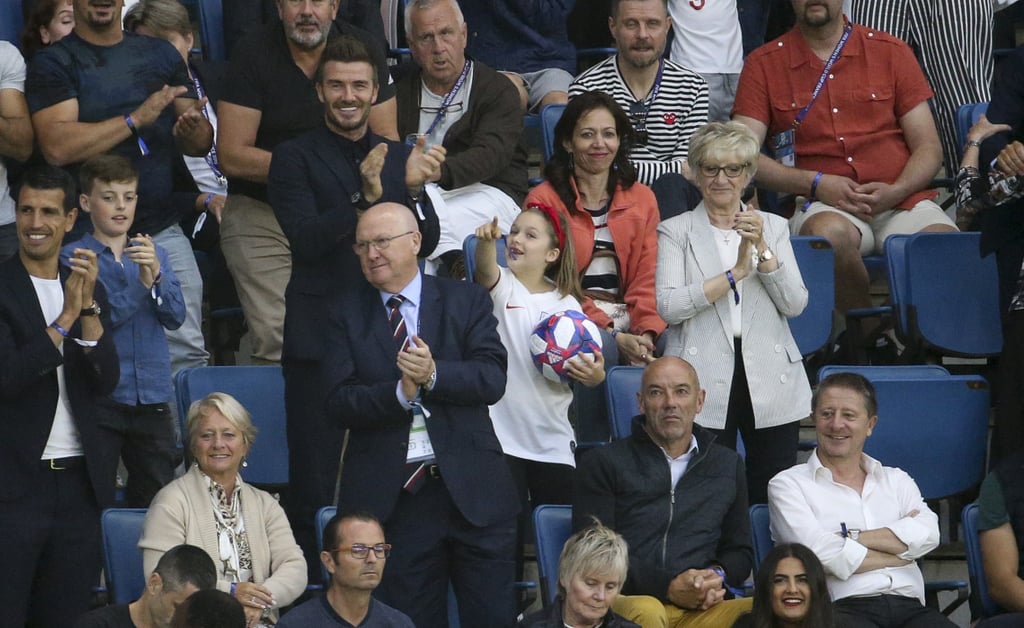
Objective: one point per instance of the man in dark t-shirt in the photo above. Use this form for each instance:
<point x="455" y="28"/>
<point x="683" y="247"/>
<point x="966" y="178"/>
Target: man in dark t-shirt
<point x="269" y="96"/>
<point x="103" y="90"/>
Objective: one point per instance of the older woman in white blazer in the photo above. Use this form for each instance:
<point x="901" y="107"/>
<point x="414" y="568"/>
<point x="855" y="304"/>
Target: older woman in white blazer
<point x="726" y="282"/>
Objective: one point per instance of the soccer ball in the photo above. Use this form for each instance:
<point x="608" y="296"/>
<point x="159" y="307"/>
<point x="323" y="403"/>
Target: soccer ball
<point x="559" y="338"/>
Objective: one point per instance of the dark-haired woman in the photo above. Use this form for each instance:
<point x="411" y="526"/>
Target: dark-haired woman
<point x="790" y="591"/>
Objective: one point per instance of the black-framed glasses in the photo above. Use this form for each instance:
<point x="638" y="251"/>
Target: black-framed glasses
<point x="381" y="244"/>
<point x="731" y="170"/>
<point x="360" y="551"/>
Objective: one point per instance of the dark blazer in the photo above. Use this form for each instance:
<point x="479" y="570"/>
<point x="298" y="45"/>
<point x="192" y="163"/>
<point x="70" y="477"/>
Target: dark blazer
<point x="457" y="323"/>
<point x="485" y="145"/>
<point x="28" y="388"/>
<point x="1002" y="227"/>
<point x="313" y="186"/>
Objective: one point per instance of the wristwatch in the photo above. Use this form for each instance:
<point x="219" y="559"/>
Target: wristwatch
<point x="853" y="533"/>
<point x="765" y="256"/>
<point x="92" y="310"/>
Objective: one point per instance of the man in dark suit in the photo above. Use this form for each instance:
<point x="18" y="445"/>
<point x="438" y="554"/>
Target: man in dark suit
<point x="422" y="455"/>
<point x="58" y="465"/>
<point x="476" y="114"/>
<point x="318" y="184"/>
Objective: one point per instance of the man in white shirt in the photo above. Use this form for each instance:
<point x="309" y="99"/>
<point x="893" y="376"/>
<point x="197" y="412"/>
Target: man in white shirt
<point x="866" y="522"/>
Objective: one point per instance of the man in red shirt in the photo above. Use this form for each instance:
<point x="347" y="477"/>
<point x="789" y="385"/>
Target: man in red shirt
<point x="845" y="110"/>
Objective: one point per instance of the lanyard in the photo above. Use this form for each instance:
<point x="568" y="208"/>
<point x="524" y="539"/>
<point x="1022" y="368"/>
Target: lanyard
<point x="449" y="97"/>
<point x="211" y="157"/>
<point x="650" y="98"/>
<point x="824" y="74"/>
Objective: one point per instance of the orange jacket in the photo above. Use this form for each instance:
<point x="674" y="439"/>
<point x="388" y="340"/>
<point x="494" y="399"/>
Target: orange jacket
<point x="633" y="220"/>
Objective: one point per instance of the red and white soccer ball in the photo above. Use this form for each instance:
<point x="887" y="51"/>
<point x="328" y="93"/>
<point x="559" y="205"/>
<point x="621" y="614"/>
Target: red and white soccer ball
<point x="560" y="338"/>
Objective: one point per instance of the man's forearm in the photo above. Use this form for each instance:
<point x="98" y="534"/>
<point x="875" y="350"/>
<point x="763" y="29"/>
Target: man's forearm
<point x="71" y="142"/>
<point x="880" y="560"/>
<point x="774" y="176"/>
<point x="245" y="162"/>
<point x="16" y="138"/>
<point x="882" y="540"/>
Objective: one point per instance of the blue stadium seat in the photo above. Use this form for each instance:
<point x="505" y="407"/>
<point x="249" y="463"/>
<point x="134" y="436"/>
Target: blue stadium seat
<point x="812" y="329"/>
<point x="469" y="251"/>
<point x="122" y="558"/>
<point x="549" y="117"/>
<point x="982" y="604"/>
<point x="10" y="21"/>
<point x="260" y="389"/>
<point x="760" y="533"/>
<point x="622" y="383"/>
<point x="552" y="526"/>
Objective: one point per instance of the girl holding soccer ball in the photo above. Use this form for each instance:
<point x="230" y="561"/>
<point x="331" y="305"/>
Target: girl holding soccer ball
<point x="531" y="420"/>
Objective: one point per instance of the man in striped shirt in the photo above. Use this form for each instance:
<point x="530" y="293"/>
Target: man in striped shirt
<point x="665" y="101"/>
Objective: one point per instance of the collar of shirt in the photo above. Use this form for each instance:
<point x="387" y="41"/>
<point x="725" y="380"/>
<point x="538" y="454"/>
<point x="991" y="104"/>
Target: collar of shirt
<point x="817" y="470"/>
<point x="678" y="466"/>
<point x="410" y="308"/>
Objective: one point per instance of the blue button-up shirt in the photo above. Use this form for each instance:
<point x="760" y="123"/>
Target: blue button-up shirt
<point x="139" y="316"/>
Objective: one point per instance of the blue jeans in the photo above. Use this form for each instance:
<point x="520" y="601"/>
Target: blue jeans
<point x="186" y="344"/>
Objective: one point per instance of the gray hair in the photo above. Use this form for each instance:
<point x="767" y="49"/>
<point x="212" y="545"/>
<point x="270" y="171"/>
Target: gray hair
<point x="420" y="5"/>
<point x="593" y="550"/>
<point x="722" y="140"/>
<point x="160" y="17"/>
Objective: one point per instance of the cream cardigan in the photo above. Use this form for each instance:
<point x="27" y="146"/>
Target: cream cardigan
<point x="182" y="513"/>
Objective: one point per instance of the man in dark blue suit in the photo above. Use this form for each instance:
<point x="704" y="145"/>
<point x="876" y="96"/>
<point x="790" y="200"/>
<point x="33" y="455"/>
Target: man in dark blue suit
<point x="56" y="462"/>
<point x="421" y="454"/>
<point x="318" y="184"/>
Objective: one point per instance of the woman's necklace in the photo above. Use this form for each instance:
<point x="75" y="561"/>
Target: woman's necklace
<point x="725" y="234"/>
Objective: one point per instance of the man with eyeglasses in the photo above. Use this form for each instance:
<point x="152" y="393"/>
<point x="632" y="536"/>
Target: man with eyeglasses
<point x="475" y="113"/>
<point x="414" y="363"/>
<point x="319" y="182"/>
<point x="845" y="110"/>
<point x="354" y="555"/>
<point x="665" y="101"/>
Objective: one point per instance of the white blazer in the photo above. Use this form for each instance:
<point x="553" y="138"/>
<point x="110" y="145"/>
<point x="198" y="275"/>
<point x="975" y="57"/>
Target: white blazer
<point x="700" y="332"/>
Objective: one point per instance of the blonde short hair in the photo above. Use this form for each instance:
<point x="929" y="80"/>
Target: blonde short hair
<point x="229" y="408"/>
<point x="593" y="550"/>
<point x="723" y="140"/>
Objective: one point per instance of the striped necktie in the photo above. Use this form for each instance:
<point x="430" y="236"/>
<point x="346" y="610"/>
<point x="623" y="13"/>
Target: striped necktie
<point x="397" y="321"/>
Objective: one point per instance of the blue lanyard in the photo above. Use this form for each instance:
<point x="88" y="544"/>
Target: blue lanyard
<point x="824" y="74"/>
<point x="211" y="157"/>
<point x="449" y="97"/>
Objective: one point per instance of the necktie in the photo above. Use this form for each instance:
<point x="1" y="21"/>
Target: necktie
<point x="397" y="322"/>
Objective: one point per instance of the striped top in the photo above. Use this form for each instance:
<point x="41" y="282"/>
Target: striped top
<point x="681" y="108"/>
<point x="603" y="272"/>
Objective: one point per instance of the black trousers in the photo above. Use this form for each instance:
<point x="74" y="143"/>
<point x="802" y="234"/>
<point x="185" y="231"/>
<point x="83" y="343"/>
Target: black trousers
<point x="51" y="548"/>
<point x="434" y="544"/>
<point x="768" y="450"/>
<point x="1008" y="433"/>
<point x="887" y="611"/>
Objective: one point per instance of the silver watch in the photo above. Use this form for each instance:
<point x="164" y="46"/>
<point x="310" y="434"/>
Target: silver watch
<point x="765" y="256"/>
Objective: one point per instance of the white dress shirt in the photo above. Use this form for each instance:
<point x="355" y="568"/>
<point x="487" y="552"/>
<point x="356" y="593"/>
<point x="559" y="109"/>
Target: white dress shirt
<point x="807" y="506"/>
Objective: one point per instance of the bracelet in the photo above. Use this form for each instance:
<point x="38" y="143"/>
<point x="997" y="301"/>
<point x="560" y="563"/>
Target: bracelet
<point x="974" y="143"/>
<point x="159" y="276"/>
<point x="616" y="332"/>
<point x="234" y="585"/>
<point x="206" y="203"/>
<point x="814" y="190"/>
<point x="88" y="344"/>
<point x="732" y="284"/>
<point x="135" y="133"/>
<point x="60" y="330"/>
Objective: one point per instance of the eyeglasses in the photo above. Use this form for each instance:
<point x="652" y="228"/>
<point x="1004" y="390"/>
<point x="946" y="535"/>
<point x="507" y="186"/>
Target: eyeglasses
<point x="381" y="244"/>
<point x="360" y="551"/>
<point x="731" y="170"/>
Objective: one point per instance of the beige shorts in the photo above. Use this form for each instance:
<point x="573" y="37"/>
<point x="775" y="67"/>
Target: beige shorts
<point x="873" y="234"/>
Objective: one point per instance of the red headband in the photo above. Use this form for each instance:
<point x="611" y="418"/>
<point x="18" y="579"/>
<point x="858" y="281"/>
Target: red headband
<point x="552" y="216"/>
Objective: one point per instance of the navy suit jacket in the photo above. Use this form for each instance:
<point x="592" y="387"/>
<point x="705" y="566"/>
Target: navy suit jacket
<point x="457" y="324"/>
<point x="28" y="388"/>
<point x="312" y="186"/>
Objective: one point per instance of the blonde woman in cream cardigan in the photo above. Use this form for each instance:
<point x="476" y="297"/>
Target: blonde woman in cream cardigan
<point x="242" y="528"/>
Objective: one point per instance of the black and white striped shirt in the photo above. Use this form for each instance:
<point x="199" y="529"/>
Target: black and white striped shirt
<point x="681" y="108"/>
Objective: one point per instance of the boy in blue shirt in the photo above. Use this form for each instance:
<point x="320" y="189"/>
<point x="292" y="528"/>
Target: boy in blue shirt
<point x="145" y="299"/>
